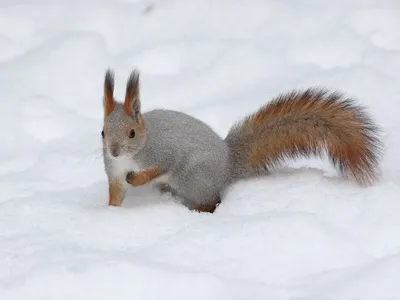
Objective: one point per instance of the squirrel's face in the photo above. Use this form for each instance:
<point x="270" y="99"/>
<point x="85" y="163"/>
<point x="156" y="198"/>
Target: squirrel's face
<point x="124" y="131"/>
<point x="122" y="134"/>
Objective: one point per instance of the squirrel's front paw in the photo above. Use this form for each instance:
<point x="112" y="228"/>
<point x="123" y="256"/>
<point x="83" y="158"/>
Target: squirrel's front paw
<point x="142" y="177"/>
<point x="129" y="177"/>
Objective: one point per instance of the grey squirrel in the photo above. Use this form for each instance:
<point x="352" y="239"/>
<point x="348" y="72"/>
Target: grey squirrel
<point x="184" y="156"/>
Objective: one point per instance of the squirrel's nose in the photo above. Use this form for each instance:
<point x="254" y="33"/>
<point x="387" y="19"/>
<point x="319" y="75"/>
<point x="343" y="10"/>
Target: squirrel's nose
<point x="115" y="150"/>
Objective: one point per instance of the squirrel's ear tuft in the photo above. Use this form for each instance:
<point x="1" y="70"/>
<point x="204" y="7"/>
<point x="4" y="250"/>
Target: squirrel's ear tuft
<point x="109" y="102"/>
<point x="132" y="97"/>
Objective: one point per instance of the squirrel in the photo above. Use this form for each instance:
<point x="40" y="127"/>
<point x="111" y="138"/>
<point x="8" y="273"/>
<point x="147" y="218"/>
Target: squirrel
<point x="181" y="155"/>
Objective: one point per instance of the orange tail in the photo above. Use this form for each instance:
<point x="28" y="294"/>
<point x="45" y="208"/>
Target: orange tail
<point x="308" y="123"/>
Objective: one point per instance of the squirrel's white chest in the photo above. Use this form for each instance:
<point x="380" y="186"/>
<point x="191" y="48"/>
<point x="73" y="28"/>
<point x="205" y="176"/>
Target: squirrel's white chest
<point x="120" y="166"/>
<point x="124" y="164"/>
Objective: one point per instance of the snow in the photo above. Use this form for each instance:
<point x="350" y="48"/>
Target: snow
<point x="300" y="233"/>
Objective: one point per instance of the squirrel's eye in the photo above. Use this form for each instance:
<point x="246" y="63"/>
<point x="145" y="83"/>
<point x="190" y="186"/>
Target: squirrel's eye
<point x="102" y="133"/>
<point x="132" y="134"/>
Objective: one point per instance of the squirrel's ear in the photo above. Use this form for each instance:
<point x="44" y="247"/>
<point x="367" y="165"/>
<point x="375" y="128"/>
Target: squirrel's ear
<point x="109" y="102"/>
<point x="132" y="97"/>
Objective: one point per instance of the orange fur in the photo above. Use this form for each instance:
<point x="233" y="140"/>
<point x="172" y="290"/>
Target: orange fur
<point x="116" y="193"/>
<point x="209" y="208"/>
<point x="109" y="101"/>
<point x="132" y="102"/>
<point x="143" y="177"/>
<point x="304" y="124"/>
<point x="128" y="108"/>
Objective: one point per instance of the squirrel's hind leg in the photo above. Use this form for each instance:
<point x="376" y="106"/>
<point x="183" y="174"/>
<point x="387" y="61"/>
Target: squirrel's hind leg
<point x="199" y="202"/>
<point x="209" y="206"/>
<point x="200" y="182"/>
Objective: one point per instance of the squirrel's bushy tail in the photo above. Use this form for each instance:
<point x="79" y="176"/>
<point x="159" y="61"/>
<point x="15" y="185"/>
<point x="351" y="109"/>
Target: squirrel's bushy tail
<point x="307" y="123"/>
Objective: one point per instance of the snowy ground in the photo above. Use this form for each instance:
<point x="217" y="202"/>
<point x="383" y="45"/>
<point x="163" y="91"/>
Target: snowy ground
<point x="298" y="234"/>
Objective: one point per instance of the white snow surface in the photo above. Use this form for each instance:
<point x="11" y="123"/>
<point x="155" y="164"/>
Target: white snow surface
<point x="300" y="233"/>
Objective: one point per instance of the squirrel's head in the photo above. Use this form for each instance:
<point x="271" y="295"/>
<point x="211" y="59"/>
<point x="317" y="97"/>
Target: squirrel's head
<point x="124" y="131"/>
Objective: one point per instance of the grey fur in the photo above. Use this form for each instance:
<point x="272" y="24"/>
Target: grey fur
<point x="190" y="150"/>
<point x="195" y="158"/>
<point x="197" y="165"/>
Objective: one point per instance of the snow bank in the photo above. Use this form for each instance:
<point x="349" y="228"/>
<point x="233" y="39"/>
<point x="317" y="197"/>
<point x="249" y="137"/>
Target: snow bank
<point x="301" y="233"/>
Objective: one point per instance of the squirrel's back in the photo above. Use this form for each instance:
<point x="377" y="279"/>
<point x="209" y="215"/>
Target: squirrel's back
<point x="308" y="123"/>
<point x="174" y="137"/>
